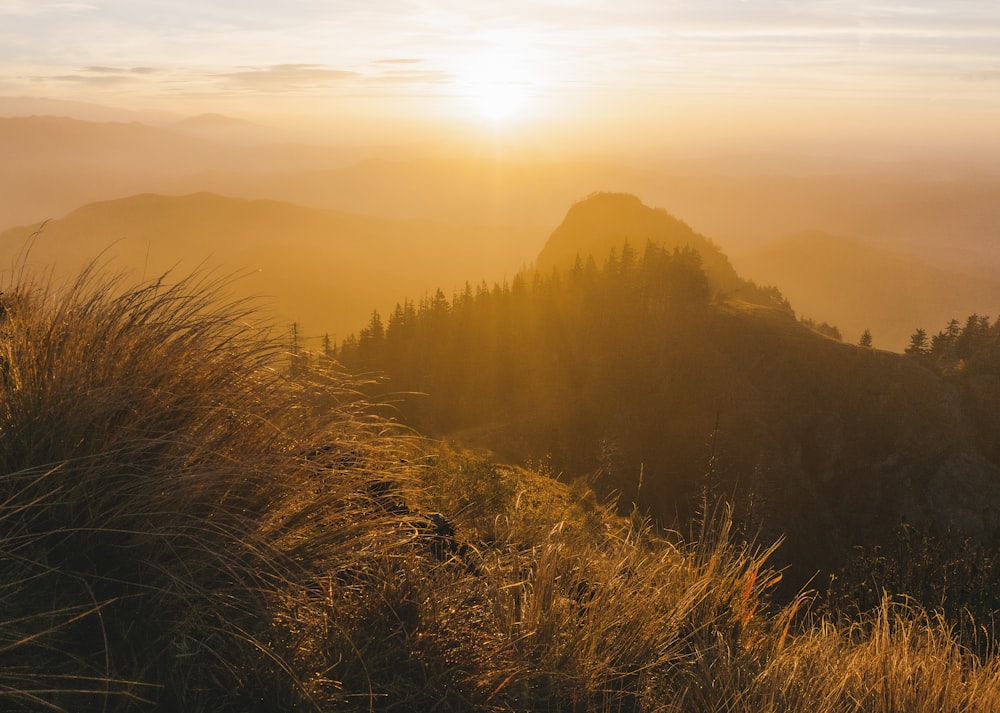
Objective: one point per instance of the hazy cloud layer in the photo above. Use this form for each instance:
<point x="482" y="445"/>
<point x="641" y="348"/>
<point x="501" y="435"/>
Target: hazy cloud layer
<point x="30" y="8"/>
<point x="285" y="77"/>
<point x="860" y="48"/>
<point x="121" y="70"/>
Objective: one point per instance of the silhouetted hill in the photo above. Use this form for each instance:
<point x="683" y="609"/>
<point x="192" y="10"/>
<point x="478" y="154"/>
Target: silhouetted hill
<point x="606" y="221"/>
<point x="324" y="269"/>
<point x="858" y="287"/>
<point x="52" y="165"/>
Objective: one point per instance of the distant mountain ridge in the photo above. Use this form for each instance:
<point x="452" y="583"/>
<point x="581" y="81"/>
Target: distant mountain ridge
<point x="52" y="165"/>
<point x="324" y="269"/>
<point x="213" y="121"/>
<point x="858" y="286"/>
<point x="222" y="128"/>
<point x="830" y="279"/>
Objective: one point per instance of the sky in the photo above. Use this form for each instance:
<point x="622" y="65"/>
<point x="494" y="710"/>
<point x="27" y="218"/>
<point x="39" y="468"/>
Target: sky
<point x="586" y="70"/>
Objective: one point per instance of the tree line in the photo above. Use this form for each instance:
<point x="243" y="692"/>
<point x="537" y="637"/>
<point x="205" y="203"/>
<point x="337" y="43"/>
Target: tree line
<point x="490" y="353"/>
<point x="959" y="347"/>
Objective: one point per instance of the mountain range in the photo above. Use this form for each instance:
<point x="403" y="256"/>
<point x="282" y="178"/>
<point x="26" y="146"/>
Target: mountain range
<point x="920" y="234"/>
<point x="323" y="269"/>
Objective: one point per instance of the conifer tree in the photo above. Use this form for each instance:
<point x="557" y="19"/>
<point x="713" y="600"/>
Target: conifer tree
<point x="918" y="343"/>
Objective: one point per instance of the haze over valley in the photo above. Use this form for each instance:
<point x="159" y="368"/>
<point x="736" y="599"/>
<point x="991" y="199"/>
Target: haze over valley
<point x="923" y="235"/>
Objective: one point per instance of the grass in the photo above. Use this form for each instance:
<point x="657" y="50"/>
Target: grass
<point x="163" y="483"/>
<point x="185" y="527"/>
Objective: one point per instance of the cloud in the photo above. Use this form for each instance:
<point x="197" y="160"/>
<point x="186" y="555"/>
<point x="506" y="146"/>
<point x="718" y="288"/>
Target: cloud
<point x="413" y="77"/>
<point x="91" y="79"/>
<point x="986" y="75"/>
<point x="33" y="8"/>
<point x="99" y="75"/>
<point x="649" y="48"/>
<point x="101" y="69"/>
<point x="286" y="77"/>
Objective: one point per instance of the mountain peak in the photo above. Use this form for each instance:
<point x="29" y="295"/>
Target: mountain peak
<point x="609" y="200"/>
<point x="604" y="221"/>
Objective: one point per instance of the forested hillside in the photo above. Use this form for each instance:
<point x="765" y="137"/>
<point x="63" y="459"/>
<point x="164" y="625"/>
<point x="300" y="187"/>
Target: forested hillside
<point x="642" y="378"/>
<point x="606" y="221"/>
<point x="968" y="355"/>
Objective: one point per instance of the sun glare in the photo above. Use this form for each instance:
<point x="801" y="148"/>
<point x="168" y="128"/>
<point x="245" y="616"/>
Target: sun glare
<point x="496" y="86"/>
<point x="497" y="100"/>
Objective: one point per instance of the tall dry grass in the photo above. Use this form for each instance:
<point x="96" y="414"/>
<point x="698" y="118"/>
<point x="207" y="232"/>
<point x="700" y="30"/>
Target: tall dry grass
<point x="622" y="618"/>
<point x="162" y="485"/>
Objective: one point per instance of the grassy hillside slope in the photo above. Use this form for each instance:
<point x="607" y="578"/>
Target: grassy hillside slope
<point x="186" y="528"/>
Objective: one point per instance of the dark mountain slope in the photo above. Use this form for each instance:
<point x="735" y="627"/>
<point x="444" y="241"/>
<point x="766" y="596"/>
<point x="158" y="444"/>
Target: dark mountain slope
<point x="636" y="377"/>
<point x="850" y="442"/>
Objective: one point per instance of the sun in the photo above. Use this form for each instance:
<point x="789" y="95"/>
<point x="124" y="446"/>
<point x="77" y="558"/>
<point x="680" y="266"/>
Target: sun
<point x="498" y="100"/>
<point x="497" y="86"/>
